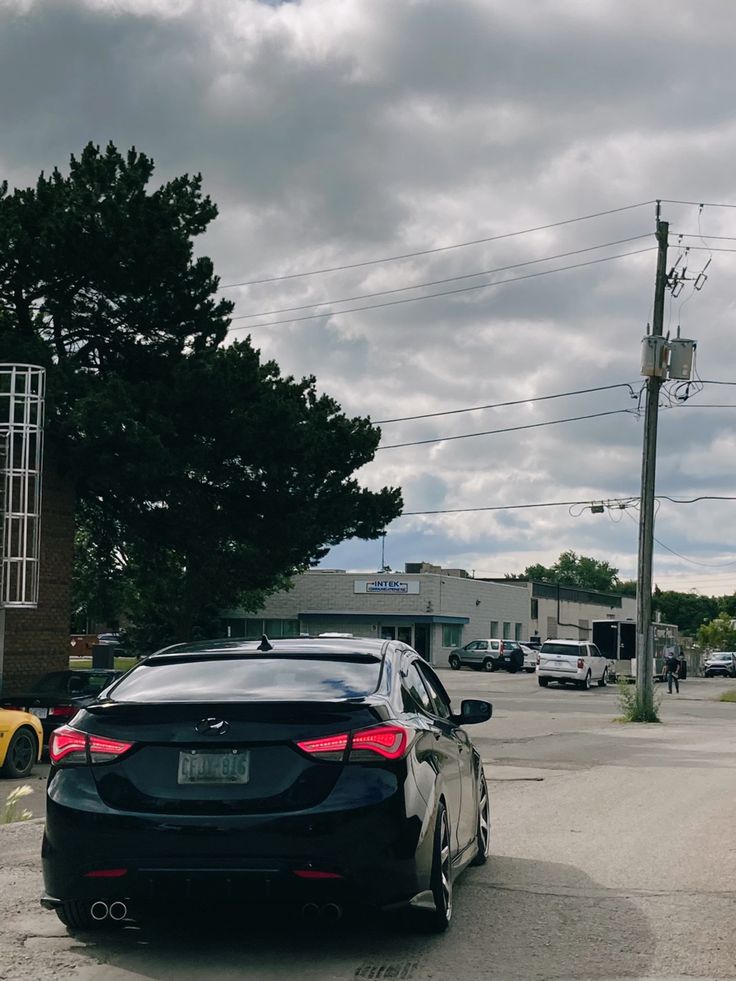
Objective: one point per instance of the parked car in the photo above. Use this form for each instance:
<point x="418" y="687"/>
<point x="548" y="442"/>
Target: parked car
<point x="488" y="655"/>
<point x="720" y="664"/>
<point x="575" y="662"/>
<point x="530" y="659"/>
<point x="21" y="739"/>
<point x="316" y="770"/>
<point x="58" y="695"/>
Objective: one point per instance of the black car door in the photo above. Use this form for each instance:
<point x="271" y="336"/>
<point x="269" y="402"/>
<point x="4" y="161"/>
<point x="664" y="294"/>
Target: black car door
<point x="437" y="743"/>
<point x="467" y="826"/>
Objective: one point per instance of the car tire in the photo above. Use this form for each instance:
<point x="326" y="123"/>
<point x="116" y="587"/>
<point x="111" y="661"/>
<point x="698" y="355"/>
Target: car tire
<point x="22" y="753"/>
<point x="489" y="664"/>
<point x="454" y="662"/>
<point x="512" y="669"/>
<point x="603" y="680"/>
<point x="483" y="830"/>
<point x="585" y="683"/>
<point x="77" y="916"/>
<point x="543" y="682"/>
<point x="438" y="919"/>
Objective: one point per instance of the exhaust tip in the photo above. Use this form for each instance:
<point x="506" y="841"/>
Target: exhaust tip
<point x="99" y="910"/>
<point x="331" y="912"/>
<point x="310" y="911"/>
<point x="118" y="911"/>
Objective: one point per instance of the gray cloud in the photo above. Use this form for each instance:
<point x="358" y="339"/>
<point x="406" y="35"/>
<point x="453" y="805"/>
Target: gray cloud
<point x="333" y="131"/>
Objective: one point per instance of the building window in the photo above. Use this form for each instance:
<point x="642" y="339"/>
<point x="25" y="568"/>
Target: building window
<point x="535" y="609"/>
<point x="506" y="630"/>
<point x="256" y="628"/>
<point x="233" y="628"/>
<point x="517" y="631"/>
<point x="494" y="628"/>
<point x="451" y="634"/>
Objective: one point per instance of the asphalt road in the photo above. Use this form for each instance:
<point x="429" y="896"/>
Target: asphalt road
<point x="614" y="856"/>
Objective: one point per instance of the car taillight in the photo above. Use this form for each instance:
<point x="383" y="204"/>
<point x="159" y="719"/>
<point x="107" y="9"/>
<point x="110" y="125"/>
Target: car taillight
<point x="13" y="708"/>
<point x="67" y="745"/>
<point x="62" y="711"/>
<point x="581" y="663"/>
<point x="388" y="741"/>
<point x="539" y="660"/>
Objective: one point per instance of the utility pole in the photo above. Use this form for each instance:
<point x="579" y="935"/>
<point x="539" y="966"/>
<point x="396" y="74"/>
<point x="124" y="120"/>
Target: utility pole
<point x="644" y="645"/>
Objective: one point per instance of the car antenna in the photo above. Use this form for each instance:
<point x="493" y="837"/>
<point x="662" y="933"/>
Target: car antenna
<point x="265" y="644"/>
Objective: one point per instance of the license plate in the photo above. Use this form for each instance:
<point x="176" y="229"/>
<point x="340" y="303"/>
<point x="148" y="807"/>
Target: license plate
<point x="40" y="713"/>
<point x="201" y="767"/>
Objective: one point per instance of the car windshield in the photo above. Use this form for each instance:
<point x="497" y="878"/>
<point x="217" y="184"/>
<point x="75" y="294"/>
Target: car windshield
<point x="231" y="679"/>
<point x="721" y="657"/>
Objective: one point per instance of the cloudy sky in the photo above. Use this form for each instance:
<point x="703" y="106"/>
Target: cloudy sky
<point x="346" y="133"/>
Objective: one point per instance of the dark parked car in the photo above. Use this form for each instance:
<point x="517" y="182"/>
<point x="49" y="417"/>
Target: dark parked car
<point x="59" y="695"/>
<point x="321" y="771"/>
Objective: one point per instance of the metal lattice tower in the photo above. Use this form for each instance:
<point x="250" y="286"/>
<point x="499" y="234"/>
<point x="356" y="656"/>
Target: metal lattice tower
<point x="22" y="392"/>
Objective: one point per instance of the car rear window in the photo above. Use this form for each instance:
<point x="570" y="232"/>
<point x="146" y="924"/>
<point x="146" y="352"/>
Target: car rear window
<point x="571" y="649"/>
<point x="275" y="678"/>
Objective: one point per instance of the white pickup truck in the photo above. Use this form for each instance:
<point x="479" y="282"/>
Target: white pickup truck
<point x="576" y="662"/>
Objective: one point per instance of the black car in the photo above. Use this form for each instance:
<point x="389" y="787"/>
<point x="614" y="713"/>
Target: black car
<point x="57" y="696"/>
<point x="318" y="771"/>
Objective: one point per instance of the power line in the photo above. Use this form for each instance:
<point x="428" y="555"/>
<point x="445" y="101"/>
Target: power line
<point x="510" y="429"/>
<point x="697" y="204"/>
<point x="707" y="565"/>
<point x="512" y="507"/>
<point x="448" y="279"/>
<point x="694" y="500"/>
<point x="433" y="251"/>
<point x="431" y="296"/>
<point x="540" y="398"/>
<point x="632" y="499"/>
<point x="502" y="405"/>
<point x="716" y="238"/>
<point x="706" y="248"/>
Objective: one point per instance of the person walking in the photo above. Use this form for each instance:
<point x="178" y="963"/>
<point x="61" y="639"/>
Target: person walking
<point x="672" y="671"/>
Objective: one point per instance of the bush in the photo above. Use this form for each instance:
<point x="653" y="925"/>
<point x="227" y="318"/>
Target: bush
<point x="634" y="708"/>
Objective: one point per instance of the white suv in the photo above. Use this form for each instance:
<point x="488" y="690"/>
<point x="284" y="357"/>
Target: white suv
<point x="574" y="662"/>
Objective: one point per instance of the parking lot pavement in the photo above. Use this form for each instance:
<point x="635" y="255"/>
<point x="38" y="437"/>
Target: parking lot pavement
<point x="613" y="857"/>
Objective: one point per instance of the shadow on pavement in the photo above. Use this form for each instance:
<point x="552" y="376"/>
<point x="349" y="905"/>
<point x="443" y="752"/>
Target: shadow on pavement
<point x="513" y="919"/>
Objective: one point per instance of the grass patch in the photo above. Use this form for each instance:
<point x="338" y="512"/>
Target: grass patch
<point x="120" y="663"/>
<point x="728" y="696"/>
<point x="634" y="708"/>
<point x="11" y="811"/>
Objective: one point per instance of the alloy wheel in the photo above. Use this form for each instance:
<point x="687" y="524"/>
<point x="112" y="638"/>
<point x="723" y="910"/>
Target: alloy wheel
<point x="445" y="867"/>
<point x="22" y="752"/>
<point x="484" y="822"/>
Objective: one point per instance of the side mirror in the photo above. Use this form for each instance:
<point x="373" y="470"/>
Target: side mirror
<point x="473" y="711"/>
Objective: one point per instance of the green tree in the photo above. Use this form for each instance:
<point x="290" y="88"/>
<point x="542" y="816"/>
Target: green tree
<point x="203" y="476"/>
<point x="719" y="634"/>
<point x="688" y="610"/>
<point x="577" y="570"/>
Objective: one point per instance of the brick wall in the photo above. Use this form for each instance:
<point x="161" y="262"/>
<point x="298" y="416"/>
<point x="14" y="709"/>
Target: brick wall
<point x="36" y="641"/>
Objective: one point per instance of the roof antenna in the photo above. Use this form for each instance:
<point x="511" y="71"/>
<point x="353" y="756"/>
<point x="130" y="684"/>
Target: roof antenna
<point x="265" y="644"/>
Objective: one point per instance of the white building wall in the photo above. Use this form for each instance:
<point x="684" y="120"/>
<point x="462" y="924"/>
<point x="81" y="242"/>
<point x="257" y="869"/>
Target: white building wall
<point x="439" y="595"/>
<point x="575" y="617"/>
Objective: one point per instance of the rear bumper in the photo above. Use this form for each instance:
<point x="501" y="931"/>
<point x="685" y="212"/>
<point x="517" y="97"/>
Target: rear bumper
<point x="578" y="675"/>
<point x="379" y="850"/>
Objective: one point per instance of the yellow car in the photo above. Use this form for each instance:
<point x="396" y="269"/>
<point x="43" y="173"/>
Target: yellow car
<point x="21" y="741"/>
